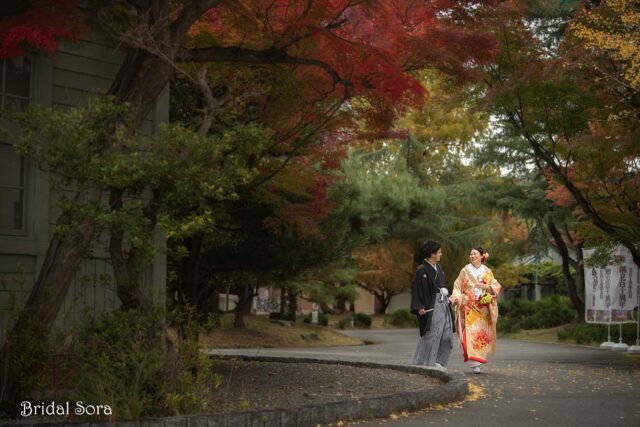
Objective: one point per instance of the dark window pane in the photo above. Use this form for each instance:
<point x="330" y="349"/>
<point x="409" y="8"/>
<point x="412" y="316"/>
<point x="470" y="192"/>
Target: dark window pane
<point x="17" y="78"/>
<point x="10" y="209"/>
<point x="11" y="166"/>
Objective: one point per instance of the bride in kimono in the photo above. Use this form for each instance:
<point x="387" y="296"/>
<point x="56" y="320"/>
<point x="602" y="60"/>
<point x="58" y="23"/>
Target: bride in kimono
<point x="475" y="293"/>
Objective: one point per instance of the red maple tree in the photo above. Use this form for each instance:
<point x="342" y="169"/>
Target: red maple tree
<point x="358" y="51"/>
<point x="38" y="24"/>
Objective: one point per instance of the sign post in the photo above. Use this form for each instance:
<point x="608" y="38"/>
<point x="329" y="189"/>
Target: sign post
<point x="609" y="294"/>
<point x="635" y="349"/>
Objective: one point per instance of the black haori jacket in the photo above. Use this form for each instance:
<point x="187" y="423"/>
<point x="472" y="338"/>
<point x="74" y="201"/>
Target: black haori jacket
<point x="425" y="288"/>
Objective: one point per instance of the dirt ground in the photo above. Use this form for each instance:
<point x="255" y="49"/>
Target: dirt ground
<point x="248" y="385"/>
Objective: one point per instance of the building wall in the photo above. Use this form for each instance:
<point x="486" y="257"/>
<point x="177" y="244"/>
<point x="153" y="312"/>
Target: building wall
<point x="70" y="78"/>
<point x="365" y="302"/>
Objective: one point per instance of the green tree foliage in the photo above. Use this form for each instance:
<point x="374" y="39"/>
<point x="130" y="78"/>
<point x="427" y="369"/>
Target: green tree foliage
<point x="168" y="179"/>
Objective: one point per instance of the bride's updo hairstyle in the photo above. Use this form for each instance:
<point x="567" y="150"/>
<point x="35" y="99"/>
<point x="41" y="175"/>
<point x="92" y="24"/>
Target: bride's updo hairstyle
<point x="483" y="254"/>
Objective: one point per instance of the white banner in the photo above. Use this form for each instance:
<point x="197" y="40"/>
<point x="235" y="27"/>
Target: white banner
<point x="611" y="293"/>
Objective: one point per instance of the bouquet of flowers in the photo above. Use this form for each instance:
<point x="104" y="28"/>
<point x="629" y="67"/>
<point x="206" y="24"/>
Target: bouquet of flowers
<point x="486" y="298"/>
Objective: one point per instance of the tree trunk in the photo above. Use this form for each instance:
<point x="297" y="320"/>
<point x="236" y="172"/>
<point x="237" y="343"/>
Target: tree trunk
<point x="128" y="269"/>
<point x="580" y="276"/>
<point x="34" y="323"/>
<point x="384" y="299"/>
<point x="293" y="305"/>
<point x="190" y="269"/>
<point x="283" y="301"/>
<point x="569" y="280"/>
<point x="243" y="307"/>
<point x="383" y="306"/>
<point x="215" y="302"/>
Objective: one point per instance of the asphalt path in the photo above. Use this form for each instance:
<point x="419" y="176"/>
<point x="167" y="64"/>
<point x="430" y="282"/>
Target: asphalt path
<point x="525" y="384"/>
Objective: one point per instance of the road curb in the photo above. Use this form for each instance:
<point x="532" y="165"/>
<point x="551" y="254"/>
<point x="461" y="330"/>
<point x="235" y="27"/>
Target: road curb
<point x="454" y="389"/>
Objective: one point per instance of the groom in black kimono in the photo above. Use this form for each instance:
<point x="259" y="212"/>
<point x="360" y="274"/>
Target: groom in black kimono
<point x="430" y="303"/>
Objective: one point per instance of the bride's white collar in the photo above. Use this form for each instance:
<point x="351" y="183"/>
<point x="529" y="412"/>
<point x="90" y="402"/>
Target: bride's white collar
<point x="476" y="271"/>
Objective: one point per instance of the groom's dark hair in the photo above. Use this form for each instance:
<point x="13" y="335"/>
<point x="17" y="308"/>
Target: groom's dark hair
<point x="429" y="247"/>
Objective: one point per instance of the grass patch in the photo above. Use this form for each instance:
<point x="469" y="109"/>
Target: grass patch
<point x="261" y="332"/>
<point x="548" y="335"/>
<point x="378" y="321"/>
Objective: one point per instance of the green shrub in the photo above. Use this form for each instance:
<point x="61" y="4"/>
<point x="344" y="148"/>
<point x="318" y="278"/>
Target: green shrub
<point x="28" y="351"/>
<point x="587" y="333"/>
<point x="120" y="363"/>
<point x="342" y="324"/>
<point x="550" y="312"/>
<point x="507" y="324"/>
<point x="362" y="320"/>
<point x="522" y="314"/>
<point x="191" y="381"/>
<point x="402" y="318"/>
<point x="124" y="360"/>
<point x="323" y="319"/>
<point x="516" y="308"/>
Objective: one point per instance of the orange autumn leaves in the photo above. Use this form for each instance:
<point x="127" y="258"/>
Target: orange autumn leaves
<point x="387" y="266"/>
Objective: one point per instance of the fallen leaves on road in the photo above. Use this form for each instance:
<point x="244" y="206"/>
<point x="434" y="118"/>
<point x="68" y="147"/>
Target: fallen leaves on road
<point x="475" y="392"/>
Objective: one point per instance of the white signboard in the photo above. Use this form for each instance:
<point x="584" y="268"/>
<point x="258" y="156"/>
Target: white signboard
<point x="611" y="293"/>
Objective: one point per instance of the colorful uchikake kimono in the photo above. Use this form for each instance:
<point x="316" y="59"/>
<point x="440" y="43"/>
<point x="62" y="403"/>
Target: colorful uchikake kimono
<point x="476" y="313"/>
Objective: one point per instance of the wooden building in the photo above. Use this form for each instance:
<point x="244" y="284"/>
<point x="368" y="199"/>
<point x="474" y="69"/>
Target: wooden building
<point x="28" y="196"/>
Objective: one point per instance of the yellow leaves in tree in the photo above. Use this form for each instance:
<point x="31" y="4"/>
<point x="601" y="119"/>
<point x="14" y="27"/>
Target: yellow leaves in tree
<point x="614" y="27"/>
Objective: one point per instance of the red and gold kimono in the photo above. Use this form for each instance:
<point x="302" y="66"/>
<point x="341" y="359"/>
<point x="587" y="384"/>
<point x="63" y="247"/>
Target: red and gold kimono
<point x="475" y="320"/>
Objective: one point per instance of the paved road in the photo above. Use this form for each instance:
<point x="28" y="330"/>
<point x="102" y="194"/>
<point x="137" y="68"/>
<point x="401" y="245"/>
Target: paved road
<point x="526" y="384"/>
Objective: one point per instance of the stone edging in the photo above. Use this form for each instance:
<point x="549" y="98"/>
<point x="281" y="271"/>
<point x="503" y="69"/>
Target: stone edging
<point x="455" y="389"/>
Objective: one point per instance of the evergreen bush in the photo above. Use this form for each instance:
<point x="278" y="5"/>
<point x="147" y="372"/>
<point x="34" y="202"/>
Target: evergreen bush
<point x="589" y="333"/>
<point x="323" y="319"/>
<point x="402" y="318"/>
<point x="362" y="320"/>
<point x="522" y="314"/>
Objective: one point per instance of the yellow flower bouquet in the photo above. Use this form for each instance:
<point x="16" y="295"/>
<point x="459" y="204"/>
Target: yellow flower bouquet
<point x="486" y="299"/>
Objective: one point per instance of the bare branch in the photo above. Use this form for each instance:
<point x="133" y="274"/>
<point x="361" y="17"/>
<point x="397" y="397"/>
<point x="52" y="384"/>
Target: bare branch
<point x="210" y="103"/>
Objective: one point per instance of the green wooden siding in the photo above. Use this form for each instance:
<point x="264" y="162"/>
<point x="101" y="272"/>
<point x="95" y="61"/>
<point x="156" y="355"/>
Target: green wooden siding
<point x="75" y="74"/>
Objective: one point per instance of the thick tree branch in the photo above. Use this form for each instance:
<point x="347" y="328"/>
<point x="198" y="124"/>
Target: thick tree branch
<point x="140" y="5"/>
<point x="250" y="56"/>
<point x="188" y="16"/>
